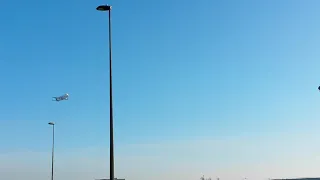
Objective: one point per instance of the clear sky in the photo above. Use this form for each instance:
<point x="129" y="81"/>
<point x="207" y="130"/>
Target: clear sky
<point x="217" y="88"/>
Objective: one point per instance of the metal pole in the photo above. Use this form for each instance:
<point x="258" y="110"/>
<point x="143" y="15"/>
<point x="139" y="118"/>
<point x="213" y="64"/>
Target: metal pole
<point x="52" y="152"/>
<point x="111" y="106"/>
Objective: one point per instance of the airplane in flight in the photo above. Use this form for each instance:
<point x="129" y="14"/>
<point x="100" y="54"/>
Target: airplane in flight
<point x="60" y="98"/>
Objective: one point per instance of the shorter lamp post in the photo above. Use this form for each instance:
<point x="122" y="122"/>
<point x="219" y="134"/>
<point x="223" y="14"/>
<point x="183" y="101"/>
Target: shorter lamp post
<point x="52" y="124"/>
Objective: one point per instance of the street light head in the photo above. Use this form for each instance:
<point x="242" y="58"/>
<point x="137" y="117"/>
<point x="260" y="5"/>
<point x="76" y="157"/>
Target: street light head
<point x="51" y="123"/>
<point x="104" y="8"/>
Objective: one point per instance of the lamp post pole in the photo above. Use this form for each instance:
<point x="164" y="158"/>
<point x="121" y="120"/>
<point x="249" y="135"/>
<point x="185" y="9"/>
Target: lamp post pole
<point x="52" y="124"/>
<point x="108" y="8"/>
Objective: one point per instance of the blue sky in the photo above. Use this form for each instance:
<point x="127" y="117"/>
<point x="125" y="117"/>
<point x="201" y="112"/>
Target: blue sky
<point x="217" y="88"/>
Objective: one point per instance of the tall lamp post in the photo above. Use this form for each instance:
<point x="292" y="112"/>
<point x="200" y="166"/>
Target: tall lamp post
<point x="52" y="124"/>
<point x="108" y="8"/>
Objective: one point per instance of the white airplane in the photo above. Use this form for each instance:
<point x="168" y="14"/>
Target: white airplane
<point x="60" y="98"/>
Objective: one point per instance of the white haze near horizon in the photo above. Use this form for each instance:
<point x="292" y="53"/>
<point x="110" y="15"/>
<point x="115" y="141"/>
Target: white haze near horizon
<point x="229" y="158"/>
